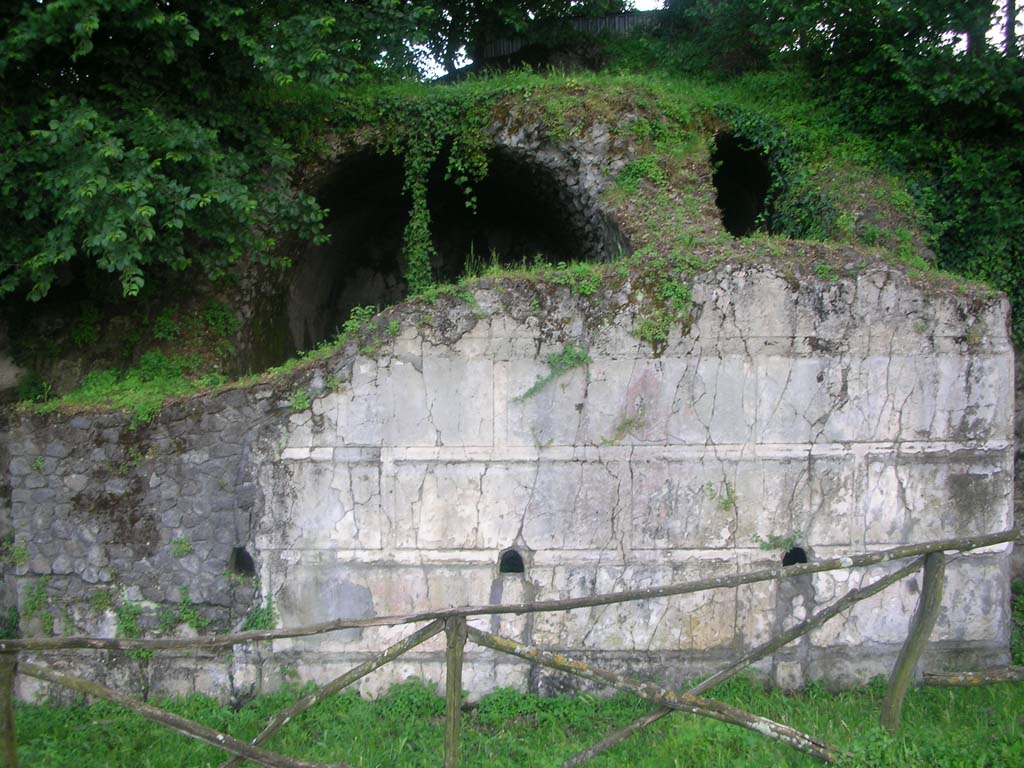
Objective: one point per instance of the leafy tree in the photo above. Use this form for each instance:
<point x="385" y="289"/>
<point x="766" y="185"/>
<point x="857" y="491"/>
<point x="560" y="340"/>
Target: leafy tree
<point x="136" y="133"/>
<point x="452" y="27"/>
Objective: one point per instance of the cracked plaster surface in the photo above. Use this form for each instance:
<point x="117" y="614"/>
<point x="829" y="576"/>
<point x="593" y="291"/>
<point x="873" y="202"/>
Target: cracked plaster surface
<point x="848" y="417"/>
<point x="853" y="415"/>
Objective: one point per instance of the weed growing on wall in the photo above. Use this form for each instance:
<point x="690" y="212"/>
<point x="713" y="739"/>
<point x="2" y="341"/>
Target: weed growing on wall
<point x="582" y="278"/>
<point x="127" y="621"/>
<point x="780" y="542"/>
<point x="664" y="296"/>
<point x="12" y="554"/>
<point x="10" y="623"/>
<point x="101" y="601"/>
<point x="261" y="618"/>
<point x="181" y="547"/>
<point x="37" y="603"/>
<point x="301" y="400"/>
<point x="184" y="613"/>
<point x="558" y="363"/>
<point x="626" y="425"/>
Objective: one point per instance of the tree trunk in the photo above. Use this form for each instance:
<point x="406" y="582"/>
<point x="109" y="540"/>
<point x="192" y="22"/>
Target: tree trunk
<point x="977" y="25"/>
<point x="1011" y="29"/>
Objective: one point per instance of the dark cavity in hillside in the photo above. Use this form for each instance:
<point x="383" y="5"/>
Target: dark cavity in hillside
<point x="522" y="214"/>
<point x="742" y="178"/>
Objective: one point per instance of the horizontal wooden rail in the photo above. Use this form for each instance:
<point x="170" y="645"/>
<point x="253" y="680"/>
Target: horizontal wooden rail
<point x="544" y="606"/>
<point x="985" y="677"/>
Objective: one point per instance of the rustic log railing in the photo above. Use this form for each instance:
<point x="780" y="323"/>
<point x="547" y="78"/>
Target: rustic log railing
<point x="453" y="623"/>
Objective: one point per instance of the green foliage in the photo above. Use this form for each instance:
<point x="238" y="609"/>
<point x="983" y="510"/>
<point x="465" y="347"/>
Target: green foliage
<point x="101" y="601"/>
<point x="358" y="319"/>
<point x="558" y="363"/>
<point x="220" y="320"/>
<point x="582" y="278"/>
<point x="36" y="597"/>
<point x="665" y="298"/>
<point x="393" y="328"/>
<point x="410" y="700"/>
<point x="32" y="389"/>
<point x="725" y="497"/>
<point x="38" y="464"/>
<point x="455" y="29"/>
<point x="431" y="294"/>
<point x="1017" y="633"/>
<point x="37" y="603"/>
<point x="185" y="613"/>
<point x="166" y="326"/>
<point x="140" y="390"/>
<point x="137" y="134"/>
<point x="642" y="168"/>
<point x="826" y="272"/>
<point x="133" y="457"/>
<point x="774" y="541"/>
<point x="419" y="128"/>
<point x="261" y="618"/>
<point x="127" y="615"/>
<point x="301" y="400"/>
<point x="86" y="330"/>
<point x="10" y="623"/>
<point x="127" y="620"/>
<point x="181" y="547"/>
<point x="12" y="553"/>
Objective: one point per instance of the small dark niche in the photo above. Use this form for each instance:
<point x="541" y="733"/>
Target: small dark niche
<point x="241" y="563"/>
<point x="794" y="556"/>
<point x="742" y="178"/>
<point x="511" y="561"/>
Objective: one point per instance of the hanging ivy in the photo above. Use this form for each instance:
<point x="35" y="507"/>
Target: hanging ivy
<point x="421" y="130"/>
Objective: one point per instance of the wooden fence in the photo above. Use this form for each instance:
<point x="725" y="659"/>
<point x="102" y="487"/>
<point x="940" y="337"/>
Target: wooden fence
<point x="615" y="24"/>
<point x="454" y="623"/>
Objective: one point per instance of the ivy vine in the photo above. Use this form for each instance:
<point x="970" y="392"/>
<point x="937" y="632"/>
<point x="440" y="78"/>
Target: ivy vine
<point x="421" y="130"/>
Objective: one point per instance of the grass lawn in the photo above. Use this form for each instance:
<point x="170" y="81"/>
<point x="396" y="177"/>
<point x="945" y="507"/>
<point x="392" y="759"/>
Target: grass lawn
<point x="941" y="727"/>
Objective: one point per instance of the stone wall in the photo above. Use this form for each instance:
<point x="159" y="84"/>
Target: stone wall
<point x="849" y="415"/>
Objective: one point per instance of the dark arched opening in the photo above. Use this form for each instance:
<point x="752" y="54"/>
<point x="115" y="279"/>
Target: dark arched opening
<point x="240" y="563"/>
<point x="794" y="556"/>
<point x="523" y="212"/>
<point x="510" y="561"/>
<point x="742" y="178"/>
<point x="362" y="263"/>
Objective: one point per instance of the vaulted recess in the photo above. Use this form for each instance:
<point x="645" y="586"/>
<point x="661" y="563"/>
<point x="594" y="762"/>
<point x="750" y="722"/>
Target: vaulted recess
<point x="524" y="213"/>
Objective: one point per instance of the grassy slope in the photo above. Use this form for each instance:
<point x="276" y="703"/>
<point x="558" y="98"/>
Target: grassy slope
<point x="941" y="727"/>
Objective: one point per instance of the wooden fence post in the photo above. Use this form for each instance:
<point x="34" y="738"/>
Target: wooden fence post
<point x="455" y="630"/>
<point x="920" y="628"/>
<point x="9" y="745"/>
